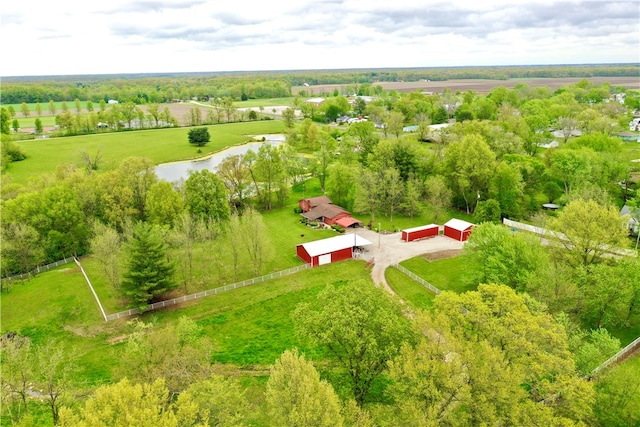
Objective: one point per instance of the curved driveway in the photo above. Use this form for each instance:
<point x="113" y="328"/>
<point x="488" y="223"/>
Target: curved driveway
<point x="389" y="249"/>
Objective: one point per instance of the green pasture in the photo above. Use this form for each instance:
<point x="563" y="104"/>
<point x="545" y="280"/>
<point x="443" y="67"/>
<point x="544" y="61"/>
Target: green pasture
<point x="448" y="274"/>
<point x="248" y="326"/>
<point x="159" y="145"/>
<point x="416" y="295"/>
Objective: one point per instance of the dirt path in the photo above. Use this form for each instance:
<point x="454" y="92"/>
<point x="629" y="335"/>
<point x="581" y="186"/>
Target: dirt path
<point x="389" y="249"/>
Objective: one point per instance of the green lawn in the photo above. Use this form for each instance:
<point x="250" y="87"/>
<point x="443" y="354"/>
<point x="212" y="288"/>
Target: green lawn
<point x="448" y="274"/>
<point x="247" y="326"/>
<point x="160" y="145"/>
<point x="416" y="295"/>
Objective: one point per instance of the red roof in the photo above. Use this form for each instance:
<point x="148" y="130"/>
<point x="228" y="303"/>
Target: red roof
<point x="347" y="221"/>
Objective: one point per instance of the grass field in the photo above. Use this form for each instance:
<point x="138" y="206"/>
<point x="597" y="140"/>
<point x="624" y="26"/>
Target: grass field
<point x="162" y="145"/>
<point x="249" y="326"/>
<point x="416" y="295"/>
<point x="448" y="274"/>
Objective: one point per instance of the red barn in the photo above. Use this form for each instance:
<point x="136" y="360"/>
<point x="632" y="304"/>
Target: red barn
<point x="458" y="229"/>
<point x="330" y="250"/>
<point x="422" y="232"/>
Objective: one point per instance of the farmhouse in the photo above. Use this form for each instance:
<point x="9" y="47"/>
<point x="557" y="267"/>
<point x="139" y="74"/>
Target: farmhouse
<point x="458" y="229"/>
<point x="323" y="210"/>
<point x="422" y="232"/>
<point x="325" y="251"/>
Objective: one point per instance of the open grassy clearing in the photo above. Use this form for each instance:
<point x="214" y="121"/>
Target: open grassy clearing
<point x="249" y="326"/>
<point x="416" y="295"/>
<point x="161" y="146"/>
<point x="448" y="274"/>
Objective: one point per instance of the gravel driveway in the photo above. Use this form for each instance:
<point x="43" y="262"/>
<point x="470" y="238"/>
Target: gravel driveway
<point x="389" y="249"/>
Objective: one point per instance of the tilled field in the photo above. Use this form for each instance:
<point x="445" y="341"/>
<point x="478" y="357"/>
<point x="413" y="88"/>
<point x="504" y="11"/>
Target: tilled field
<point x="476" y="85"/>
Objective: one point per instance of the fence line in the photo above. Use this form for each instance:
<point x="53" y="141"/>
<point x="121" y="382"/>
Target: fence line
<point x="104" y="315"/>
<point x="209" y="292"/>
<point x="417" y="279"/>
<point x="619" y="355"/>
<point x="560" y="236"/>
<point x="40" y="269"/>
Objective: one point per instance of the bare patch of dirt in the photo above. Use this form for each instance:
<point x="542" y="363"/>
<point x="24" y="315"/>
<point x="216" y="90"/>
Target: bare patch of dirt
<point x="85" y="332"/>
<point x="118" y="339"/>
<point x="434" y="256"/>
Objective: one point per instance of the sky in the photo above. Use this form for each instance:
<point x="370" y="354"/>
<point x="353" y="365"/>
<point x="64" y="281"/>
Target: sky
<point x="67" y="37"/>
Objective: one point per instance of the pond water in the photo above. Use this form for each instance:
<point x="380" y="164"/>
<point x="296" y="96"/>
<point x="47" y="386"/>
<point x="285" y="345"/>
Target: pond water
<point x="175" y="171"/>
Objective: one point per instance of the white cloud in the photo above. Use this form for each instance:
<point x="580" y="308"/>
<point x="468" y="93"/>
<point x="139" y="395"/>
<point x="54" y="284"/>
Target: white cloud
<point x="74" y="37"/>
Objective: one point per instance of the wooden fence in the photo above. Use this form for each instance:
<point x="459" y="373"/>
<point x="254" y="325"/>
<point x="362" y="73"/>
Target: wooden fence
<point x="417" y="279"/>
<point x="215" y="291"/>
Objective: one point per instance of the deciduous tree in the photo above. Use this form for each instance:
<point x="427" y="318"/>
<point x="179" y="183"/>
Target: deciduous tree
<point x="361" y="325"/>
<point x="590" y="230"/>
<point x="206" y="196"/>
<point x="199" y="137"/>
<point x="296" y="396"/>
<point x="470" y="165"/>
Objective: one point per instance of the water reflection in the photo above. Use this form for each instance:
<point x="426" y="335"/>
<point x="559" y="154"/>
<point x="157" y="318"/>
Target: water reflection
<point x="180" y="170"/>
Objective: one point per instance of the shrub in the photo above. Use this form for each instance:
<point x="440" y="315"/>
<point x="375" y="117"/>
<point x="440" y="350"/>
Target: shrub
<point x="338" y="228"/>
<point x="297" y="210"/>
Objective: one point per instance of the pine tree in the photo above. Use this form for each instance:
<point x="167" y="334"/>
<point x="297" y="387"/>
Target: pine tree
<point x="149" y="273"/>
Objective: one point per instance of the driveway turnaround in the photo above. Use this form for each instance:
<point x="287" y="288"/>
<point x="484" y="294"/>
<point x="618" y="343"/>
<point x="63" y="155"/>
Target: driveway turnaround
<point x="389" y="249"/>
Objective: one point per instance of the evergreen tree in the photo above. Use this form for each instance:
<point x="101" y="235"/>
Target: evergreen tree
<point x="149" y="273"/>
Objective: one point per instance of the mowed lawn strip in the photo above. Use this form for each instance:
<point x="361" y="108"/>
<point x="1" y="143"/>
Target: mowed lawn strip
<point x="409" y="290"/>
<point x="448" y="274"/>
<point x="159" y="145"/>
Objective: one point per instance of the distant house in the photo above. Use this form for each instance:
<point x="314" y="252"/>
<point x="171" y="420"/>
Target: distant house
<point x="321" y="209"/>
<point x="632" y="224"/>
<point x="112" y="101"/>
<point x="315" y="101"/>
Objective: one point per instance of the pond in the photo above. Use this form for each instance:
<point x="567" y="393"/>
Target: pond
<point x="175" y="171"/>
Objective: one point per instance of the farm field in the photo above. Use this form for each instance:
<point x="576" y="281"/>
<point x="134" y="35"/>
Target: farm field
<point x="481" y="86"/>
<point x="160" y="145"/>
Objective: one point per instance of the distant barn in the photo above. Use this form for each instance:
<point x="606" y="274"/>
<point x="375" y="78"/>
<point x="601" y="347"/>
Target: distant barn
<point x="458" y="229"/>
